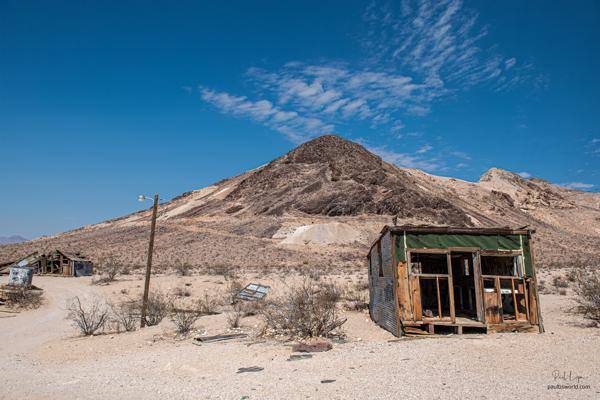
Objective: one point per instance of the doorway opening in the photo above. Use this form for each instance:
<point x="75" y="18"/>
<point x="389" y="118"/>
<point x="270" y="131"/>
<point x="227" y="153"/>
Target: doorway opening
<point x="463" y="280"/>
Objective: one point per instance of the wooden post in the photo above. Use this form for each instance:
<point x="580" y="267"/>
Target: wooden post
<point x="537" y="292"/>
<point x="437" y="285"/>
<point x="512" y="287"/>
<point x="451" y="288"/>
<point x="149" y="263"/>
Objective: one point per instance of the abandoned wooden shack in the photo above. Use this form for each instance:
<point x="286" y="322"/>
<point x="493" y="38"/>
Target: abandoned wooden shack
<point x="446" y="279"/>
<point x="55" y="263"/>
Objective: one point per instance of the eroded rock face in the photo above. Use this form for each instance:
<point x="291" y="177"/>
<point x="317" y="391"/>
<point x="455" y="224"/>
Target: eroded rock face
<point x="333" y="177"/>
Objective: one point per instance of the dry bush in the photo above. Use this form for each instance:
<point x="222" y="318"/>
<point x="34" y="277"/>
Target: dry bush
<point x="182" y="292"/>
<point x="234" y="317"/>
<point x="22" y="298"/>
<point x="219" y="269"/>
<point x="183" y="268"/>
<point x="587" y="289"/>
<point x="309" y="310"/>
<point x="159" y="306"/>
<point x="233" y="288"/>
<point x="207" y="305"/>
<point x="109" y="268"/>
<point x="89" y="318"/>
<point x="125" y="316"/>
<point x="560" y="282"/>
<point x="184" y="319"/>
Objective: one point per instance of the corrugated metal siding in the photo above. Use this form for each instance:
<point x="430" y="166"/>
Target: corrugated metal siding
<point x="381" y="289"/>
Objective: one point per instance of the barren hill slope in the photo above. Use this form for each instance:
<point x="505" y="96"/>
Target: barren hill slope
<point x="323" y="203"/>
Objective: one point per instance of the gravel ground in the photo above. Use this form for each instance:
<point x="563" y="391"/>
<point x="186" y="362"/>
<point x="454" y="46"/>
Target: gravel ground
<point x="42" y="358"/>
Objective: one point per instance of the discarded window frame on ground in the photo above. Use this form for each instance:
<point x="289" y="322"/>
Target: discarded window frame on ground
<point x="253" y="291"/>
<point x="476" y="279"/>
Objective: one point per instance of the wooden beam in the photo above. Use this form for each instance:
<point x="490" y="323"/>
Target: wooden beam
<point x="478" y="287"/>
<point x="499" y="293"/>
<point x="514" y="295"/>
<point x="451" y="288"/>
<point x="439" y="298"/>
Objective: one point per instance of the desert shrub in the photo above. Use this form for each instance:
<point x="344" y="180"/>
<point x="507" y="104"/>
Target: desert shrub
<point x="22" y="298"/>
<point x="109" y="268"/>
<point x="587" y="289"/>
<point x="361" y="285"/>
<point x="182" y="292"/>
<point x="234" y="317"/>
<point x="207" y="305"/>
<point x="183" y="268"/>
<point x="309" y="310"/>
<point x="233" y="288"/>
<point x="356" y="300"/>
<point x="560" y="282"/>
<point x="159" y="306"/>
<point x="219" y="269"/>
<point x="89" y="318"/>
<point x="125" y="316"/>
<point x="184" y="319"/>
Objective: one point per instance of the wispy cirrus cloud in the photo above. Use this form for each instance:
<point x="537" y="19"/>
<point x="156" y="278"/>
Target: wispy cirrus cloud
<point x="524" y="174"/>
<point x="578" y="185"/>
<point x="295" y="126"/>
<point x="400" y="159"/>
<point x="417" y="54"/>
<point x="594" y="146"/>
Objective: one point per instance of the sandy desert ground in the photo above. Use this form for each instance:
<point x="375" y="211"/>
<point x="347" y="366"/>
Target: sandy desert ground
<point x="43" y="357"/>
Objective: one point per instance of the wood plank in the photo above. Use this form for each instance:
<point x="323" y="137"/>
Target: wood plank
<point x="499" y="293"/>
<point x="415" y="293"/>
<point x="478" y="287"/>
<point x="536" y="298"/>
<point x="451" y="288"/>
<point x="439" y="297"/>
<point x="514" y="295"/>
<point x="403" y="292"/>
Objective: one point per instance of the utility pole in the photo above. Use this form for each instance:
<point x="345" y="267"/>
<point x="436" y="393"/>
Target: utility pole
<point x="149" y="264"/>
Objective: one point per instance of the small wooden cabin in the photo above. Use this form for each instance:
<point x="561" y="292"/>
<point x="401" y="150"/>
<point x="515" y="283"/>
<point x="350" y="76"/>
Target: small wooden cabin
<point x="453" y="279"/>
<point x="54" y="263"/>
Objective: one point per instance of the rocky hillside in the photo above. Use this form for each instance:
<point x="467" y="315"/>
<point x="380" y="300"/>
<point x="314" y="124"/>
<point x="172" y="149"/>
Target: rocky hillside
<point x="323" y="203"/>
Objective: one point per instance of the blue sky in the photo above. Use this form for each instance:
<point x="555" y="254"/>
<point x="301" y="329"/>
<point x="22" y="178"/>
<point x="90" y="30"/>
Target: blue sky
<point x="100" y="102"/>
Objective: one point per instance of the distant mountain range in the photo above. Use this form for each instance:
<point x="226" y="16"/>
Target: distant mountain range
<point x="12" y="239"/>
<point x="323" y="203"/>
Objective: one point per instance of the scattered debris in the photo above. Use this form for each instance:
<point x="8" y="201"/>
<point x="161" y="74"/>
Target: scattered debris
<point x="411" y="330"/>
<point x="249" y="369"/>
<point x="253" y="291"/>
<point x="218" y="338"/>
<point x="314" y="345"/>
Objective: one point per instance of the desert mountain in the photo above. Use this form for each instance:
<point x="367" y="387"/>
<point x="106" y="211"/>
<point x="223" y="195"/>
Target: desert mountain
<point x="323" y="203"/>
<point x="12" y="239"/>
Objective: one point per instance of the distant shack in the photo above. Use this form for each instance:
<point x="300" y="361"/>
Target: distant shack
<point x="453" y="279"/>
<point x="57" y="263"/>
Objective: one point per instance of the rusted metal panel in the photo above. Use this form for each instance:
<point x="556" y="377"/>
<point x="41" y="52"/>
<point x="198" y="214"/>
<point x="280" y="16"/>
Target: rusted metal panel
<point x="386" y="255"/>
<point x="382" y="304"/>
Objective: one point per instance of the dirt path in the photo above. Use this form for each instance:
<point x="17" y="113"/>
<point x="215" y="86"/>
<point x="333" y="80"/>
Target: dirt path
<point x="46" y="360"/>
<point x="47" y="322"/>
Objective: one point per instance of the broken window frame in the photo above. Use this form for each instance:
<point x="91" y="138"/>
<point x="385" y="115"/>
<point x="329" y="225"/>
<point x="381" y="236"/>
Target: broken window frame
<point x="517" y="280"/>
<point x="415" y="278"/>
